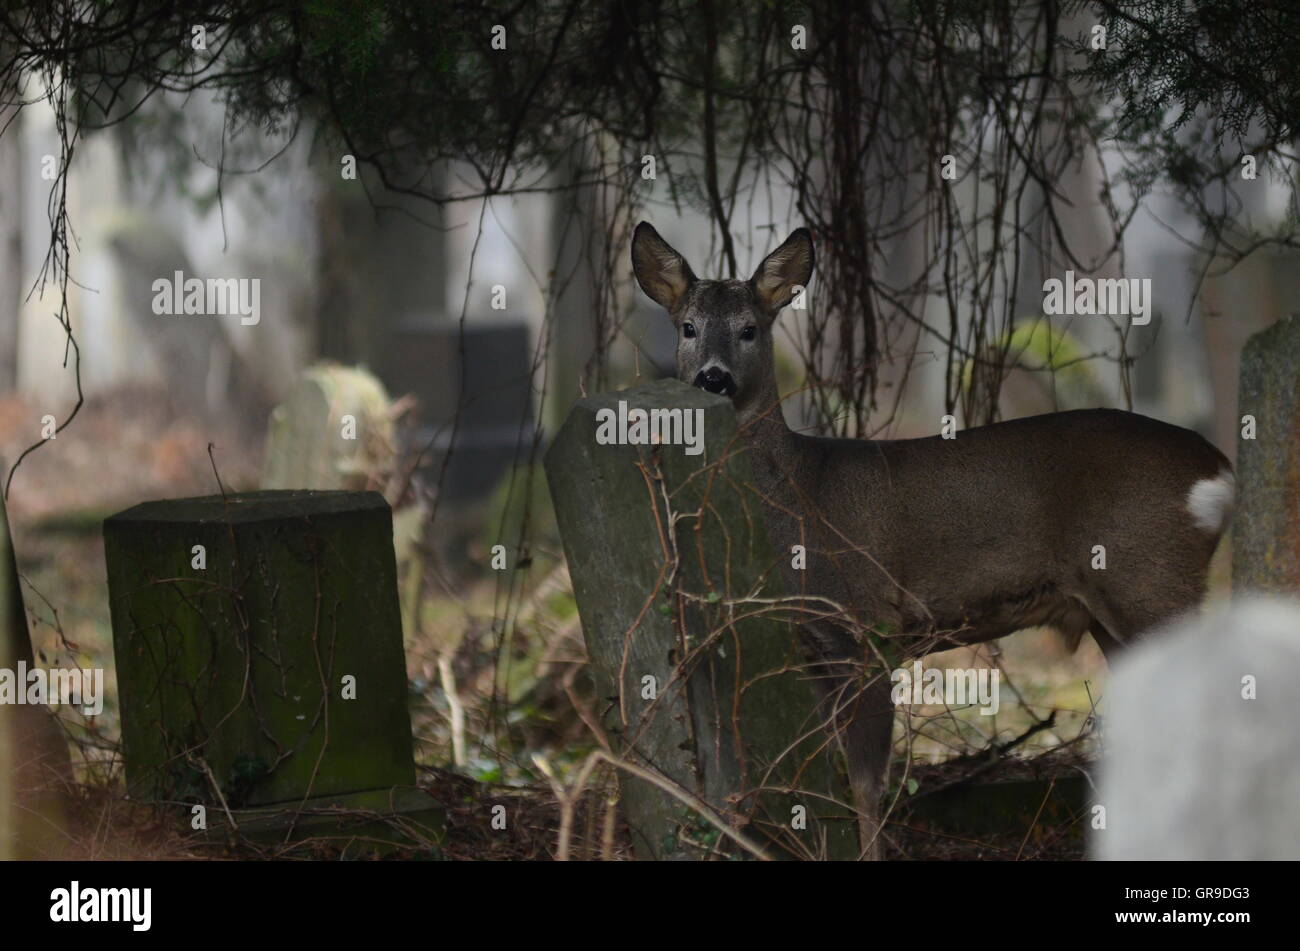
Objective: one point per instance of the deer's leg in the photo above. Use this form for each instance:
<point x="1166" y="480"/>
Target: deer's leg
<point x="1110" y="647"/>
<point x="1123" y="617"/>
<point x="857" y="709"/>
<point x="867" y="749"/>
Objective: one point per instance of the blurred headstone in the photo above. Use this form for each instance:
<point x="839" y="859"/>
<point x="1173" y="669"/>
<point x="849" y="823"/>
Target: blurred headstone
<point x="203" y="371"/>
<point x="11" y="236"/>
<point x="491" y="385"/>
<point x="35" y="767"/>
<point x="710" y="694"/>
<point x="376" y="265"/>
<point x="1202" y="754"/>
<point x="333" y="432"/>
<point x="1237" y="303"/>
<point x="1266" y="523"/>
<point x="259" y="651"/>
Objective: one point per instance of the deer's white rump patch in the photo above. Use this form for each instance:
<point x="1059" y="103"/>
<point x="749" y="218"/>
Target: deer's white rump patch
<point x="1210" y="501"/>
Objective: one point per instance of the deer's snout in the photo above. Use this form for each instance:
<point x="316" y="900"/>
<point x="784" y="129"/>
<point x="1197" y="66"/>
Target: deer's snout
<point x="716" y="380"/>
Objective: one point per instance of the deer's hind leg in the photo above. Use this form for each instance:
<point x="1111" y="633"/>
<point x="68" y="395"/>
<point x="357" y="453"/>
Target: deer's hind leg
<point x="1123" y="616"/>
<point x="856" y="708"/>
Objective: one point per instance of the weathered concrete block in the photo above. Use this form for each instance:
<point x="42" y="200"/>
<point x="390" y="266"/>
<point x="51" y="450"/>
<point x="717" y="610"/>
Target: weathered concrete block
<point x="1202" y="755"/>
<point x="696" y="683"/>
<point x="241" y="628"/>
<point x="1266" y="524"/>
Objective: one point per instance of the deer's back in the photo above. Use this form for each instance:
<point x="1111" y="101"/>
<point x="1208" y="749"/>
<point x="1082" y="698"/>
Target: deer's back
<point x="999" y="512"/>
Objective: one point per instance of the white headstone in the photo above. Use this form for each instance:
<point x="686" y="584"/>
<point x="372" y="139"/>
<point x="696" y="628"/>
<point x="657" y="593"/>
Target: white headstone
<point x="1202" y="737"/>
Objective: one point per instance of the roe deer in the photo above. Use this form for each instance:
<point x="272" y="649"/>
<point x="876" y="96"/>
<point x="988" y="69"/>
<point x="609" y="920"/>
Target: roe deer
<point x="942" y="542"/>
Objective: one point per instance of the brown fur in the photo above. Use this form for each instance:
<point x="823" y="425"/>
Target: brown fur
<point x="942" y="542"/>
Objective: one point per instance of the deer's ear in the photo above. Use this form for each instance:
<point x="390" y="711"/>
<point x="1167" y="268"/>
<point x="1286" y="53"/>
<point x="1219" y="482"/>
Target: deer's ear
<point x="662" y="273"/>
<point x="783" y="271"/>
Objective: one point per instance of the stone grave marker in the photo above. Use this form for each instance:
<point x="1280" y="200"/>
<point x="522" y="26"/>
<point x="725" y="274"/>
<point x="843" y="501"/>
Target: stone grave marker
<point x="311" y="444"/>
<point x="1202" y="755"/>
<point x="1266" y="520"/>
<point x="694" y="682"/>
<point x="259" y="653"/>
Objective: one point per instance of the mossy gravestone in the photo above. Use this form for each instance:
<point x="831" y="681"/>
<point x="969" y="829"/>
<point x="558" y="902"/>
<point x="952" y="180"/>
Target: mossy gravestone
<point x="1266" y="524"/>
<point x="663" y="543"/>
<point x="259" y="649"/>
<point x="332" y="432"/>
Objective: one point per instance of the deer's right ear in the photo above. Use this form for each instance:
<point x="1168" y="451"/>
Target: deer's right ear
<point x="662" y="273"/>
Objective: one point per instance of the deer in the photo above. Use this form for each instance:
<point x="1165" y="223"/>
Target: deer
<point x="940" y="542"/>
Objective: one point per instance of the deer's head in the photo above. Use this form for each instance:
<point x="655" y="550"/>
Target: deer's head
<point x="724" y="328"/>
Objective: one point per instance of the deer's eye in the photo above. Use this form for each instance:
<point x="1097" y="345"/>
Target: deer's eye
<point x="749" y="333"/>
<point x="688" y="330"/>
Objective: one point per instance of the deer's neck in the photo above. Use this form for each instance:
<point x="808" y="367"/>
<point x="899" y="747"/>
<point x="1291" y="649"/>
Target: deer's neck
<point x="765" y="425"/>
<point x="773" y="447"/>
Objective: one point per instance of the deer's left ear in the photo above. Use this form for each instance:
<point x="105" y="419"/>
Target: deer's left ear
<point x="783" y="272"/>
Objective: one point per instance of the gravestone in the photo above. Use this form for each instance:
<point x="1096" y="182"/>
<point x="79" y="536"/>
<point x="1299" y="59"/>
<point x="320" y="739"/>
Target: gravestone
<point x="203" y="369"/>
<point x="1266" y="522"/>
<point x="487" y="374"/>
<point x="1236" y="304"/>
<point x="259" y="654"/>
<point x="701" y="688"/>
<point x="35" y="768"/>
<point x="1202" y="754"/>
<point x="308" y="444"/>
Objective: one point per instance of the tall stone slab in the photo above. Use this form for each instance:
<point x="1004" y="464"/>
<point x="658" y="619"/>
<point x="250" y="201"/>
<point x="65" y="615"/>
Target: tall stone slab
<point x="697" y="678"/>
<point x="1266" y="523"/>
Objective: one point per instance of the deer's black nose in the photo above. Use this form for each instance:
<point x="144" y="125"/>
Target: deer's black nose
<point x="716" y="380"/>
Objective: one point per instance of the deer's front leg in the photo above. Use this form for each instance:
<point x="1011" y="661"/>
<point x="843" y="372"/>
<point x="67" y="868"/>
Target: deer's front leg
<point x="857" y="710"/>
